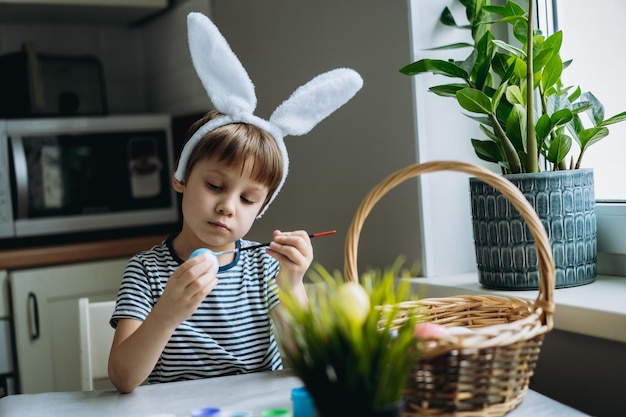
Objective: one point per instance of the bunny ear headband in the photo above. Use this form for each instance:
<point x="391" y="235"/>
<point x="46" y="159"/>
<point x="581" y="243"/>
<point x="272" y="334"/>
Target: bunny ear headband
<point x="232" y="93"/>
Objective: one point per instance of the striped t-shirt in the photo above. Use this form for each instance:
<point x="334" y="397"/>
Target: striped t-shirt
<point x="230" y="332"/>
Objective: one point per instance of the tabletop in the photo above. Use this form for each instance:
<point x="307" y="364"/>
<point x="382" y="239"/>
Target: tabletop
<point x="253" y="392"/>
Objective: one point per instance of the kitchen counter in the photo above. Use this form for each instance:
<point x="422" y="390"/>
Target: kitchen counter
<point x="75" y="252"/>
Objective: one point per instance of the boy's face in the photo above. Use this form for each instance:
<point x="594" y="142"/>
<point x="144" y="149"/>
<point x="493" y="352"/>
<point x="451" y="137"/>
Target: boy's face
<point x="220" y="203"/>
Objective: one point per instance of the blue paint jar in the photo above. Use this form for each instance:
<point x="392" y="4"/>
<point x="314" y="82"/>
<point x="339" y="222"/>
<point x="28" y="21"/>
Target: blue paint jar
<point x="302" y="403"/>
<point x="206" y="412"/>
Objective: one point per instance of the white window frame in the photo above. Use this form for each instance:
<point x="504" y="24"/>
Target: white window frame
<point x="610" y="215"/>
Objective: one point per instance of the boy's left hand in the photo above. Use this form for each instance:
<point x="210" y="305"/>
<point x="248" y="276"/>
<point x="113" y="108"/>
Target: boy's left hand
<point x="294" y="253"/>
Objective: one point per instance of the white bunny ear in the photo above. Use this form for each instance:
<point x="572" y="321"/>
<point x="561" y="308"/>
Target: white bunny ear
<point x="232" y="93"/>
<point x="222" y="75"/>
<point x="316" y="100"/>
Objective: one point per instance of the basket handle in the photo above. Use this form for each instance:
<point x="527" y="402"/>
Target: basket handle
<point x="545" y="299"/>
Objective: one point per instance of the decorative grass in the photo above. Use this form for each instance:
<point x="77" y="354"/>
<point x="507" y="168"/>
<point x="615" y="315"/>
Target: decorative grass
<point x="346" y="351"/>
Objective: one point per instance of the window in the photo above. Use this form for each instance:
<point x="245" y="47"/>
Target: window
<point x="591" y="34"/>
<point x="588" y="30"/>
<point x="438" y="140"/>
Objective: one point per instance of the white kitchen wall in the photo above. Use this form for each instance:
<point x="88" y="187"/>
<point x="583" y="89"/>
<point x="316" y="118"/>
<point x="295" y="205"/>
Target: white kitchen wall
<point x="171" y="83"/>
<point x="283" y="44"/>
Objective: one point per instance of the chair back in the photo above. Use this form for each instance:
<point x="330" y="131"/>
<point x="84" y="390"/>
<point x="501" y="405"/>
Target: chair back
<point x="95" y="336"/>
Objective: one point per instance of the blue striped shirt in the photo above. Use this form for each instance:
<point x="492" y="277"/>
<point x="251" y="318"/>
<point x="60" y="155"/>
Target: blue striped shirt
<point x="230" y="332"/>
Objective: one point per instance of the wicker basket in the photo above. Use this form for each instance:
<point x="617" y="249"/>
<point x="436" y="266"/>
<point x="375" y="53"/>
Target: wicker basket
<point x="485" y="373"/>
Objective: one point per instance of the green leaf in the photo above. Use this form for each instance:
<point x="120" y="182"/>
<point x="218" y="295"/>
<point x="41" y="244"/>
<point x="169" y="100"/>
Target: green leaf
<point x="511" y="11"/>
<point x="523" y="159"/>
<point x="549" y="48"/>
<point x="490" y="134"/>
<point x="567" y="63"/>
<point x="561" y="117"/>
<point x="510" y="48"/>
<point x="435" y="66"/>
<point x="495" y="9"/>
<point x="580" y="106"/>
<point x="519" y="30"/>
<point x="447" y="18"/>
<point x="575" y="126"/>
<point x="514" y="95"/>
<point x="475" y="14"/>
<point x="487" y="150"/>
<point x="541" y="59"/>
<point x="543" y="127"/>
<point x="483" y="120"/>
<point x="468" y="63"/>
<point x="503" y="111"/>
<point x="457" y="45"/>
<point x="555" y="103"/>
<point x="614" y="119"/>
<point x="554" y="42"/>
<point x="474" y="101"/>
<point x="514" y="9"/>
<point x="516" y="127"/>
<point x="552" y="72"/>
<point x="519" y="66"/>
<point x="500" y="65"/>
<point x="575" y="95"/>
<point x="592" y="135"/>
<point x="447" y="90"/>
<point x="559" y="148"/>
<point x="495" y="100"/>
<point x="484" y="51"/>
<point x="596" y="113"/>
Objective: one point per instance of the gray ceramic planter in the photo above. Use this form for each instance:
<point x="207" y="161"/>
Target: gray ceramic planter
<point x="505" y="252"/>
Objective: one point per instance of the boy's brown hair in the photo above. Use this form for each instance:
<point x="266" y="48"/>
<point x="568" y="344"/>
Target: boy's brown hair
<point x="241" y="145"/>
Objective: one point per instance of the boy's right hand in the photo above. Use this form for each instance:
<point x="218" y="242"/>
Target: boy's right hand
<point x="186" y="288"/>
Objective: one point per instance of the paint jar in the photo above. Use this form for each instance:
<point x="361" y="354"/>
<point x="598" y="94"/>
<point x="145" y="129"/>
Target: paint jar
<point x="276" y="412"/>
<point x="206" y="412"/>
<point x="302" y="403"/>
<point x="236" y="413"/>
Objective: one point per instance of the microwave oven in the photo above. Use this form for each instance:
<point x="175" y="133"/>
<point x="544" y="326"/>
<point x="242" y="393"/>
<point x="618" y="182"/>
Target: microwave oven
<point x="83" y="174"/>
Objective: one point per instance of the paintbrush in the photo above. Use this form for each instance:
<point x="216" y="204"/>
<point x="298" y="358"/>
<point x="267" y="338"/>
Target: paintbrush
<point x="260" y="245"/>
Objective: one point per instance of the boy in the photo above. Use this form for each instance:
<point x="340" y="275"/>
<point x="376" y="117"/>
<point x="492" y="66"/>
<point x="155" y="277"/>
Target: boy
<point x="169" y="304"/>
<point x="178" y="318"/>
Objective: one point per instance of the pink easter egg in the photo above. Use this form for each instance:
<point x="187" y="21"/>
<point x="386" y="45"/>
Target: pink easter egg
<point x="430" y="331"/>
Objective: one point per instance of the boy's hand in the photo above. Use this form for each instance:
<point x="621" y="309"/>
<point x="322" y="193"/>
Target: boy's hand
<point x="294" y="252"/>
<point x="186" y="289"/>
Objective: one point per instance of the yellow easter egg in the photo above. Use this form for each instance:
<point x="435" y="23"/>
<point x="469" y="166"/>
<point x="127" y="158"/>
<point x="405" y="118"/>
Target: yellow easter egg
<point x="353" y="301"/>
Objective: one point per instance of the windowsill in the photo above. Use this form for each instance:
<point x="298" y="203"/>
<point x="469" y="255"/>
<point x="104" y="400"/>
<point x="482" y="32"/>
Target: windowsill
<point x="597" y="309"/>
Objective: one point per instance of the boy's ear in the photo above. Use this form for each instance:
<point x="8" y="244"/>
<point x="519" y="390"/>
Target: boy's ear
<point x="179" y="186"/>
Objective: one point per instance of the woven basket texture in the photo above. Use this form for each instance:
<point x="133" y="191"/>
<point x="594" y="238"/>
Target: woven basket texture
<point x="485" y="372"/>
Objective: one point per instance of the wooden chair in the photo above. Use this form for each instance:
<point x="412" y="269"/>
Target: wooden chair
<point x="95" y="336"/>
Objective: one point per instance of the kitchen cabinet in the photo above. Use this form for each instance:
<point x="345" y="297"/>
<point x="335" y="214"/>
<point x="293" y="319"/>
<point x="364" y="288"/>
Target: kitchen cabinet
<point x="83" y="11"/>
<point x="45" y="316"/>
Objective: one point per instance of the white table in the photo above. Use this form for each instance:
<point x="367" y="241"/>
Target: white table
<point x="252" y="392"/>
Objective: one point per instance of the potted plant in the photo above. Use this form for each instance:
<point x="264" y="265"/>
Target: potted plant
<point x="530" y="120"/>
<point x="346" y="347"/>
